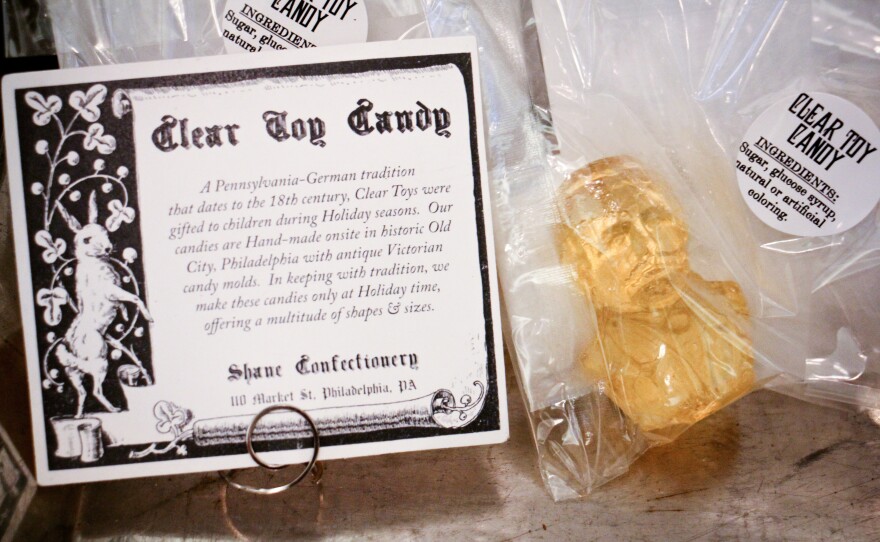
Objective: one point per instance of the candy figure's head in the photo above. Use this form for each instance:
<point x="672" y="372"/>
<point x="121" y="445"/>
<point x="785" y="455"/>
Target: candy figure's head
<point x="632" y="241"/>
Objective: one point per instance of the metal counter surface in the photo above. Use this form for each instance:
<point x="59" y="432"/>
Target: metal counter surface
<point x="768" y="467"/>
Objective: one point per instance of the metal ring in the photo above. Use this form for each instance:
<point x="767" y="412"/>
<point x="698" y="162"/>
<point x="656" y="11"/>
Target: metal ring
<point x="250" y="448"/>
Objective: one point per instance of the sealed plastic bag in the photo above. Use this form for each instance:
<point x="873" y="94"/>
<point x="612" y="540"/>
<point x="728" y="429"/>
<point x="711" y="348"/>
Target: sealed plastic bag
<point x="94" y="32"/>
<point x="731" y="120"/>
<point x="649" y="275"/>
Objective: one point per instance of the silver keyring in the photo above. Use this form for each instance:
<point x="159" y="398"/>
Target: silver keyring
<point x="310" y="466"/>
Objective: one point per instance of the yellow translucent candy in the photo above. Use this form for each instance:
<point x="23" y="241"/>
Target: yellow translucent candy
<point x="671" y="346"/>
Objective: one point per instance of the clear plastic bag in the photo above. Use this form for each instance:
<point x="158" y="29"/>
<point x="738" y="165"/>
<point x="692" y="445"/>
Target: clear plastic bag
<point x="678" y="94"/>
<point x="94" y="32"/>
<point x="641" y="292"/>
<point x="98" y="32"/>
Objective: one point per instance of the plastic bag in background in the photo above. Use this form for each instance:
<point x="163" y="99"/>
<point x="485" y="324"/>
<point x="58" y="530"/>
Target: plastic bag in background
<point x="27" y="29"/>
<point x="396" y="20"/>
<point x="94" y="32"/>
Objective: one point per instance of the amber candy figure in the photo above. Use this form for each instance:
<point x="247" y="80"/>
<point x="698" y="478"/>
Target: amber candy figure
<point x="671" y="346"/>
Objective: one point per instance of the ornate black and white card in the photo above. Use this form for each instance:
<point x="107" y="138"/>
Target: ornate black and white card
<point x="199" y="239"/>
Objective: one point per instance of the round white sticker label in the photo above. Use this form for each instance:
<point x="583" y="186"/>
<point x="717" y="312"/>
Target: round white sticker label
<point x="809" y="165"/>
<point x="267" y="25"/>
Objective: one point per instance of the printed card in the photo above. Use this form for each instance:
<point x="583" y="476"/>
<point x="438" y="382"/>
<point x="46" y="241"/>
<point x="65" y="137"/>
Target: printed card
<point x="200" y="239"/>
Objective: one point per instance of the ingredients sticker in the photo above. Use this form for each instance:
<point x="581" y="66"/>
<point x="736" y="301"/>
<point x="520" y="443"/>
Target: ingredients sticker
<point x="266" y="25"/>
<point x="809" y="166"/>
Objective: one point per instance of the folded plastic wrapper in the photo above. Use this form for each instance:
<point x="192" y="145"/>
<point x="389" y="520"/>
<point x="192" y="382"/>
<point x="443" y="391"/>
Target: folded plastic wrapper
<point x="94" y="32"/>
<point x="641" y="294"/>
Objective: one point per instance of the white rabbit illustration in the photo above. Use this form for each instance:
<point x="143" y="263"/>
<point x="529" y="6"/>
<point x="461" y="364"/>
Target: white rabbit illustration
<point x="84" y="348"/>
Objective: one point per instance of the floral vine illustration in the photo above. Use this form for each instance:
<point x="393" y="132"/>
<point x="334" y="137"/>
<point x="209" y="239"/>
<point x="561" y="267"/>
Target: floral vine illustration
<point x="171" y="418"/>
<point x="79" y="125"/>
